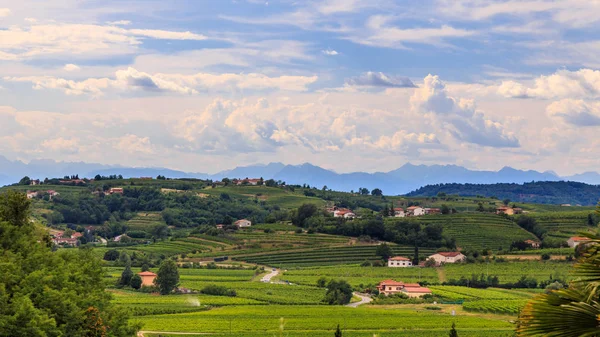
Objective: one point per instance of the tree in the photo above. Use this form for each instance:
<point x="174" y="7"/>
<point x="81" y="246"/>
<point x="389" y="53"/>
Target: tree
<point x="384" y="251"/>
<point x="25" y="181"/>
<point x="126" y="276"/>
<point x="453" y="332"/>
<point x="506" y="202"/>
<point x="73" y="301"/>
<point x="338" y="332"/>
<point x="480" y="207"/>
<point x="338" y="292"/>
<point x="167" y="278"/>
<point x="376" y="192"/>
<point x="136" y="281"/>
<point x="445" y="209"/>
<point x="304" y="212"/>
<point x="111" y="255"/>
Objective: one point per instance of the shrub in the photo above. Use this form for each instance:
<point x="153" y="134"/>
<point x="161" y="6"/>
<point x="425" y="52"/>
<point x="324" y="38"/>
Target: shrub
<point x="218" y="291"/>
<point x="545" y="256"/>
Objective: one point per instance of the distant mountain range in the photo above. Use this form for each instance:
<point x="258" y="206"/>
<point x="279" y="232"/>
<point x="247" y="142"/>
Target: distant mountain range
<point x="407" y="178"/>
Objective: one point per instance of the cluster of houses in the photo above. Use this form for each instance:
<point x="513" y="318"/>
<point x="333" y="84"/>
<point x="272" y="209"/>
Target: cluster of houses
<point x="242" y="223"/>
<point x="58" y="239"/>
<point x="247" y="181"/>
<point x="34" y="194"/>
<point x="439" y="258"/>
<point x="415" y="211"/>
<point x="390" y="287"/>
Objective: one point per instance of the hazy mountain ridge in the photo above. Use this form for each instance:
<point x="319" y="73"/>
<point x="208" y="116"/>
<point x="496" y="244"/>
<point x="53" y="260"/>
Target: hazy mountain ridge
<point x="403" y="180"/>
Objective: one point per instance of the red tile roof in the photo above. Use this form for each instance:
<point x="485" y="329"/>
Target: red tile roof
<point x="147" y="273"/>
<point x="579" y="238"/>
<point x="449" y="254"/>
<point x="399" y="258"/>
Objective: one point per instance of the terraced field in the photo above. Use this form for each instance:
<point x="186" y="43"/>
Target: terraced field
<point x="326" y="256"/>
<point x="478" y="230"/>
<point x="563" y="224"/>
<point x="145" y="221"/>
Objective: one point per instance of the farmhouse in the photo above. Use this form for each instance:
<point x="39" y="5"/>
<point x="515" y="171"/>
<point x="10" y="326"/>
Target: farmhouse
<point x="147" y="278"/>
<point x="65" y="241"/>
<point x="34" y="182"/>
<point x="576" y="241"/>
<point x="116" y="190"/>
<point x="243" y="223"/>
<point x="52" y="193"/>
<point x="532" y="244"/>
<point x="447" y="257"/>
<point x="220" y="226"/>
<point x="399" y="261"/>
<point x="389" y="287"/>
<point x="433" y="211"/>
<point x="76" y="235"/>
<point x="415" y="211"/>
<point x="399" y="213"/>
<point x="31" y="194"/>
<point x="509" y="210"/>
<point x="344" y="213"/>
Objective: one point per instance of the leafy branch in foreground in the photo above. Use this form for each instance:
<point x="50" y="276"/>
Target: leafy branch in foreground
<point x="568" y="312"/>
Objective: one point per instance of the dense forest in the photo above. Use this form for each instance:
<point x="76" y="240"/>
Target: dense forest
<point x="543" y="192"/>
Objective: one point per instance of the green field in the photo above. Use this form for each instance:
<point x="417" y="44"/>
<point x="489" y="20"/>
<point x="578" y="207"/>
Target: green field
<point x="510" y="271"/>
<point x="563" y="224"/>
<point x="322" y="320"/>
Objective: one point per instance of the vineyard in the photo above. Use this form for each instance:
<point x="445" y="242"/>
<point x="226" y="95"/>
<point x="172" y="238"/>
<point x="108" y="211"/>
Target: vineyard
<point x="321" y="321"/>
<point x="327" y="256"/>
<point x="357" y="276"/>
<point x="563" y="224"/>
<point x="510" y="272"/>
<point x="496" y="301"/>
<point x="478" y="230"/>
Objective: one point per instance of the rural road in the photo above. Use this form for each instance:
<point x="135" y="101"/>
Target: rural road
<point x="364" y="299"/>
<point x="269" y="276"/>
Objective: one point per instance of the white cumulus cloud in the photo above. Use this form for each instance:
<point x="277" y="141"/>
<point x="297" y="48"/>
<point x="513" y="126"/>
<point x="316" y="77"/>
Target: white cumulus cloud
<point x="583" y="83"/>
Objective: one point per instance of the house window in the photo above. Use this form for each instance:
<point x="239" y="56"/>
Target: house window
<point x="397" y="288"/>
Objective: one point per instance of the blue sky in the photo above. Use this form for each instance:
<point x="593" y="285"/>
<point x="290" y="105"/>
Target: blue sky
<point x="345" y="84"/>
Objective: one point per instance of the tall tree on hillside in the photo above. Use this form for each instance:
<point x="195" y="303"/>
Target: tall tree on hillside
<point x="64" y="307"/>
<point x="377" y="192"/>
<point x="453" y="332"/>
<point x="384" y="251"/>
<point x="25" y="181"/>
<point x="167" y="278"/>
<point x="126" y="276"/>
<point x="338" y="332"/>
<point x="570" y="312"/>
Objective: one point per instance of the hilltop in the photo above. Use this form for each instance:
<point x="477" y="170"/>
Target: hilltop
<point x="543" y="192"/>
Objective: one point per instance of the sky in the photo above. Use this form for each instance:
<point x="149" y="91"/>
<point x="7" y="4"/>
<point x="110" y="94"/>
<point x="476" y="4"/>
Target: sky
<point x="349" y="85"/>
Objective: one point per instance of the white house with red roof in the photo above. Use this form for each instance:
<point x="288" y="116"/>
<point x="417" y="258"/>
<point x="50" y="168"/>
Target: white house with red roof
<point x="576" y="241"/>
<point x="32" y="194"/>
<point x="399" y="213"/>
<point x="415" y="211"/>
<point x="533" y="244"/>
<point x="447" y="257"/>
<point x="243" y="223"/>
<point x="399" y="262"/>
<point x="389" y="287"/>
<point x="344" y="213"/>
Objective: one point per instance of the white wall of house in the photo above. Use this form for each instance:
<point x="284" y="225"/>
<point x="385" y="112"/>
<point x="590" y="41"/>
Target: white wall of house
<point x="439" y="259"/>
<point x="399" y="264"/>
<point x="243" y="223"/>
